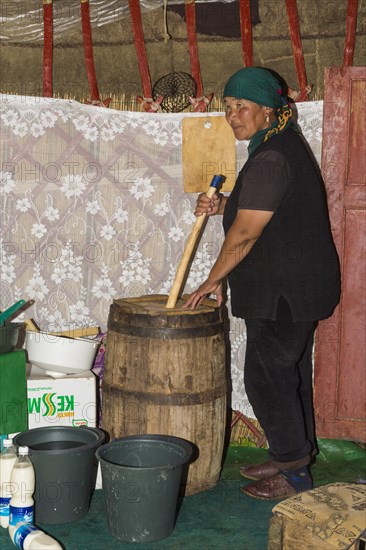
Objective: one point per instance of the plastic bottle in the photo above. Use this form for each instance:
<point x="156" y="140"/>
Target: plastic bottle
<point x="7" y="460"/>
<point x="29" y="537"/>
<point x="22" y="489"/>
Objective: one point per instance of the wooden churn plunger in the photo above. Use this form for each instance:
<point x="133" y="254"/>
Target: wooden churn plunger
<point x="191" y="243"/>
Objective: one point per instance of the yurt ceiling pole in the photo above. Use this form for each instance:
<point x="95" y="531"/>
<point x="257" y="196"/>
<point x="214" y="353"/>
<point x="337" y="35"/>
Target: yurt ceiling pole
<point x="190" y="11"/>
<point x="349" y="46"/>
<point x="47" y="48"/>
<point x="200" y="102"/>
<point x="246" y="32"/>
<point x="294" y="26"/>
<point x="88" y="51"/>
<point x="138" y="35"/>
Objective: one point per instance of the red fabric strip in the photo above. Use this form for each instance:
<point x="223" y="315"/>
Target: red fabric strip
<point x="293" y="21"/>
<point x="190" y="11"/>
<point x="88" y="51"/>
<point x="47" y="50"/>
<point x="138" y="35"/>
<point x="349" y="46"/>
<point x="246" y="32"/>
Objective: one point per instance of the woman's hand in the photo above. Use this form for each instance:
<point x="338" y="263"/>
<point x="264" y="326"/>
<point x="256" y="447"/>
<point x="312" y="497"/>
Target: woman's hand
<point x="207" y="205"/>
<point x="206" y="288"/>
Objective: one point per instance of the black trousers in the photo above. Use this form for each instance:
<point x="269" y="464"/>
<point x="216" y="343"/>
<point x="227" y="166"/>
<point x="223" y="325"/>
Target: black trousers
<point x="278" y="383"/>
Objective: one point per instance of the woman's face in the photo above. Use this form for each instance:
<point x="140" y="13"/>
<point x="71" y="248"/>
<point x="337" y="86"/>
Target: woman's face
<point x="245" y="117"/>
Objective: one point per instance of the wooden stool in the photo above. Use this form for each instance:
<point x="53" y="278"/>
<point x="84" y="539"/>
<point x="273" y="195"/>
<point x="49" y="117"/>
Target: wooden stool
<point x="329" y="517"/>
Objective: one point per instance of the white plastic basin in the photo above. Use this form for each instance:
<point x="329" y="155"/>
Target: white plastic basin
<point x="58" y="355"/>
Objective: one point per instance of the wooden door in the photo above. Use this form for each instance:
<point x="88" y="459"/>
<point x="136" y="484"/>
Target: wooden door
<point x="340" y="356"/>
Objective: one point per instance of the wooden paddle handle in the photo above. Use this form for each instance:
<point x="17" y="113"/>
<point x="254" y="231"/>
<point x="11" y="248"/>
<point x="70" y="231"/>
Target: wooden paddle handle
<point x="187" y="253"/>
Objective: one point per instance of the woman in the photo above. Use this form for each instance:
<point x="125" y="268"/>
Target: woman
<point x="283" y="273"/>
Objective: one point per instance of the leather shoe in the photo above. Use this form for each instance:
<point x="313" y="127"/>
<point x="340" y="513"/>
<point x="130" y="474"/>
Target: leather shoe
<point x="258" y="471"/>
<point x="270" y="488"/>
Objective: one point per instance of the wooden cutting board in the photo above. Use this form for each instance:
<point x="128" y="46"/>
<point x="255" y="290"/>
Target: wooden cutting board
<point x="208" y="148"/>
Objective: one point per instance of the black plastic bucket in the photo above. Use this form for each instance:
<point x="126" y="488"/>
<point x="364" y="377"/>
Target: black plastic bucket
<point x="65" y="467"/>
<point x="9" y="335"/>
<point x="141" y="477"/>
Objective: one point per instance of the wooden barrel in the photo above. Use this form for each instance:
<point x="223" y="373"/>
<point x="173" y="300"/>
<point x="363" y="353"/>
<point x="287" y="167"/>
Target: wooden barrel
<point x="165" y="373"/>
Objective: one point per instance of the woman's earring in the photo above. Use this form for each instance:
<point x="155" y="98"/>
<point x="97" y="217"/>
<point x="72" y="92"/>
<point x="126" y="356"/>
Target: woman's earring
<point x="267" y="119"/>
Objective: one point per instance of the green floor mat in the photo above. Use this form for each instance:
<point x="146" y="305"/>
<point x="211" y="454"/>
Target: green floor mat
<point x="336" y="461"/>
<point x="222" y="518"/>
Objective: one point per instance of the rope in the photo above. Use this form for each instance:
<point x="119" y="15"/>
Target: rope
<point x="166" y="32"/>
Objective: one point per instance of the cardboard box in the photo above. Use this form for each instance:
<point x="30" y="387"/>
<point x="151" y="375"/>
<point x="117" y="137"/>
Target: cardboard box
<point x="70" y="400"/>
<point x="66" y="401"/>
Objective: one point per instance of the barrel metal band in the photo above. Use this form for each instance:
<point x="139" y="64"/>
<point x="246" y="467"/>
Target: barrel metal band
<point x="175" y="399"/>
<point x="166" y="333"/>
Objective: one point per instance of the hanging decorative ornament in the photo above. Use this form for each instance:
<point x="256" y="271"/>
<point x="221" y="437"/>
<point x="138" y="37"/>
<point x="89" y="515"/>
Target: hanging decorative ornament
<point x="199" y="102"/>
<point x="175" y="89"/>
<point x="89" y="57"/>
<point x="47" y="48"/>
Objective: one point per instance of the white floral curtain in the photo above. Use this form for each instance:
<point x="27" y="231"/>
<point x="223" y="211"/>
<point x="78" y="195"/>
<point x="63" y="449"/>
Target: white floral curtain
<point x="93" y="208"/>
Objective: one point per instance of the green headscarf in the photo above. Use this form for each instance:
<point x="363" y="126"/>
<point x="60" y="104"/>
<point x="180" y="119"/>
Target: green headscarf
<point x="260" y="86"/>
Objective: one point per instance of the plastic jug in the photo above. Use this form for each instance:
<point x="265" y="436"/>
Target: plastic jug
<point x="7" y="460"/>
<point x="22" y="489"/>
<point x="29" y="537"/>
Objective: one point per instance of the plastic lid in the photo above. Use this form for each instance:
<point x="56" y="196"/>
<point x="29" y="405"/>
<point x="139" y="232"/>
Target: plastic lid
<point x="23" y="450"/>
<point x="8" y="443"/>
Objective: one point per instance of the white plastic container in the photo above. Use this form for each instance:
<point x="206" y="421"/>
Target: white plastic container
<point x="29" y="537"/>
<point x="22" y="489"/>
<point x="7" y="460"/>
<point x="58" y="355"/>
